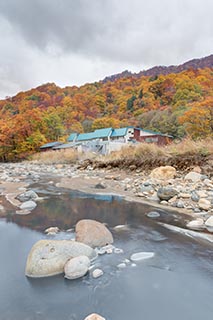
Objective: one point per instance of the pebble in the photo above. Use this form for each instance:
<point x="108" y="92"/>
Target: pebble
<point x="97" y="273"/>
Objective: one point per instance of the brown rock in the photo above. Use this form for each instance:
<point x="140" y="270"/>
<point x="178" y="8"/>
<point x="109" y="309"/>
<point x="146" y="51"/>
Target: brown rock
<point x="93" y="233"/>
<point x="163" y="173"/>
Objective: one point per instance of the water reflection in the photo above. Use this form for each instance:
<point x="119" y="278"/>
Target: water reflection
<point x="67" y="209"/>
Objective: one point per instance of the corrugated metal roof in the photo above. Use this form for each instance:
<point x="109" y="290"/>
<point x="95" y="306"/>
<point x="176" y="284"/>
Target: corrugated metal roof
<point x="85" y="136"/>
<point x="121" y="132"/>
<point x="102" y="133"/>
<point x="72" y="136"/>
<point x="51" y="144"/>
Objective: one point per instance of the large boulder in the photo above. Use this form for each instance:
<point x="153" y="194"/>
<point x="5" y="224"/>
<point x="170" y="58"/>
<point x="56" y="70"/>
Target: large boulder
<point x="48" y="257"/>
<point x="163" y="173"/>
<point x="93" y="233"/>
<point x="209" y="224"/>
<point x="76" y="267"/>
<point x="166" y="193"/>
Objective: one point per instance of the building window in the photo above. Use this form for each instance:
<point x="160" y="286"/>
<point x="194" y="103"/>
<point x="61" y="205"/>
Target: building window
<point x="151" y="139"/>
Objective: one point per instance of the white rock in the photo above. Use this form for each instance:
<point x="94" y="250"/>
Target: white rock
<point x="76" y="267"/>
<point x="209" y="222"/>
<point x="48" y="257"/>
<point x="28" y="205"/>
<point x="97" y="273"/>
<point x="52" y="230"/>
<point x="197" y="224"/>
<point x="94" y="316"/>
<point x="141" y="256"/>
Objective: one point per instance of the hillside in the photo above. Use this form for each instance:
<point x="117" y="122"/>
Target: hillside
<point x="206" y="62"/>
<point x="178" y="103"/>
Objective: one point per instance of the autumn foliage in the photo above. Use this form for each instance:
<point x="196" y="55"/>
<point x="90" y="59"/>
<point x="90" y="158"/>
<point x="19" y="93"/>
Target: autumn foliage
<point x="178" y="104"/>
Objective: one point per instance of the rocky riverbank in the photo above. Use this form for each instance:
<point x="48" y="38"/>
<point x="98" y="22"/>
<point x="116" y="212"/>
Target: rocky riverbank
<point x="164" y="187"/>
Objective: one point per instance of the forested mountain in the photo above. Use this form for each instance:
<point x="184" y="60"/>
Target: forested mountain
<point x="178" y="103"/>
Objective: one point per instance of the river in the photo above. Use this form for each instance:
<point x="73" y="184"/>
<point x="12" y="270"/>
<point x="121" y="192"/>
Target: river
<point x="176" y="284"/>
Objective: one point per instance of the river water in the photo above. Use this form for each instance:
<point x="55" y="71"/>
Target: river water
<point x="176" y="284"/>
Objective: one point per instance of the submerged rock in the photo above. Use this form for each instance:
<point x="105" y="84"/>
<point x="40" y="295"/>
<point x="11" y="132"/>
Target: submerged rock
<point x="153" y="214"/>
<point x="48" y="257"/>
<point x="76" y="267"/>
<point x="93" y="233"/>
<point x="141" y="256"/>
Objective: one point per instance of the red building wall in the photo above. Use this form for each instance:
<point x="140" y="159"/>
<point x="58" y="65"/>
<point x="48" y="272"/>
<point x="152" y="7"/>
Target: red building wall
<point x="155" y="138"/>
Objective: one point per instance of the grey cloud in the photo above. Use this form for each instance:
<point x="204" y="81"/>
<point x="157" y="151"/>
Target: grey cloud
<point x="104" y="35"/>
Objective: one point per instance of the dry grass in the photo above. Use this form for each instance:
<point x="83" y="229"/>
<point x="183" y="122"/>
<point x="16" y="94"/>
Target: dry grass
<point x="182" y="155"/>
<point x="146" y="150"/>
<point x="56" y="156"/>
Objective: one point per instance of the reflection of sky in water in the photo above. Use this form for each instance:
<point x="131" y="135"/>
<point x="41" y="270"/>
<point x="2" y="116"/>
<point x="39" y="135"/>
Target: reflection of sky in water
<point x="176" y="284"/>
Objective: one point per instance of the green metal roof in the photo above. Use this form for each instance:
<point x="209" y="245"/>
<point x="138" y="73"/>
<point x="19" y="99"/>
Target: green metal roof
<point x="102" y="133"/>
<point x="86" y="136"/>
<point x="121" y="132"/>
<point x="72" y="136"/>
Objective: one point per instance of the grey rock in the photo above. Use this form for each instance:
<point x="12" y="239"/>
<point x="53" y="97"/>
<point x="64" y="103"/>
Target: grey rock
<point x="166" y="193"/>
<point x="76" y="267"/>
<point x="180" y="204"/>
<point x="100" y="186"/>
<point x="209" y="224"/>
<point x="28" y="195"/>
<point x="28" y="205"/>
<point x="48" y="257"/>
<point x="193" y="176"/>
<point x="195" y="197"/>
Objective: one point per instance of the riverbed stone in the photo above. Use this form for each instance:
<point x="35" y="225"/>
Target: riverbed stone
<point x="28" y="195"/>
<point x="28" y="205"/>
<point x="195" y="197"/>
<point x="48" y="257"/>
<point x="93" y="233"/>
<point x="163" y="173"/>
<point x="204" y="204"/>
<point x="209" y="224"/>
<point x="52" y="230"/>
<point x="94" y="316"/>
<point x="166" y="193"/>
<point x="193" y="176"/>
<point x="153" y="214"/>
<point x="76" y="267"/>
<point x="197" y="224"/>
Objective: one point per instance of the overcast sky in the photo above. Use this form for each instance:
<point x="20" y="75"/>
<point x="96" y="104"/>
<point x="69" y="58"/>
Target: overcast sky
<point x="77" y="41"/>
